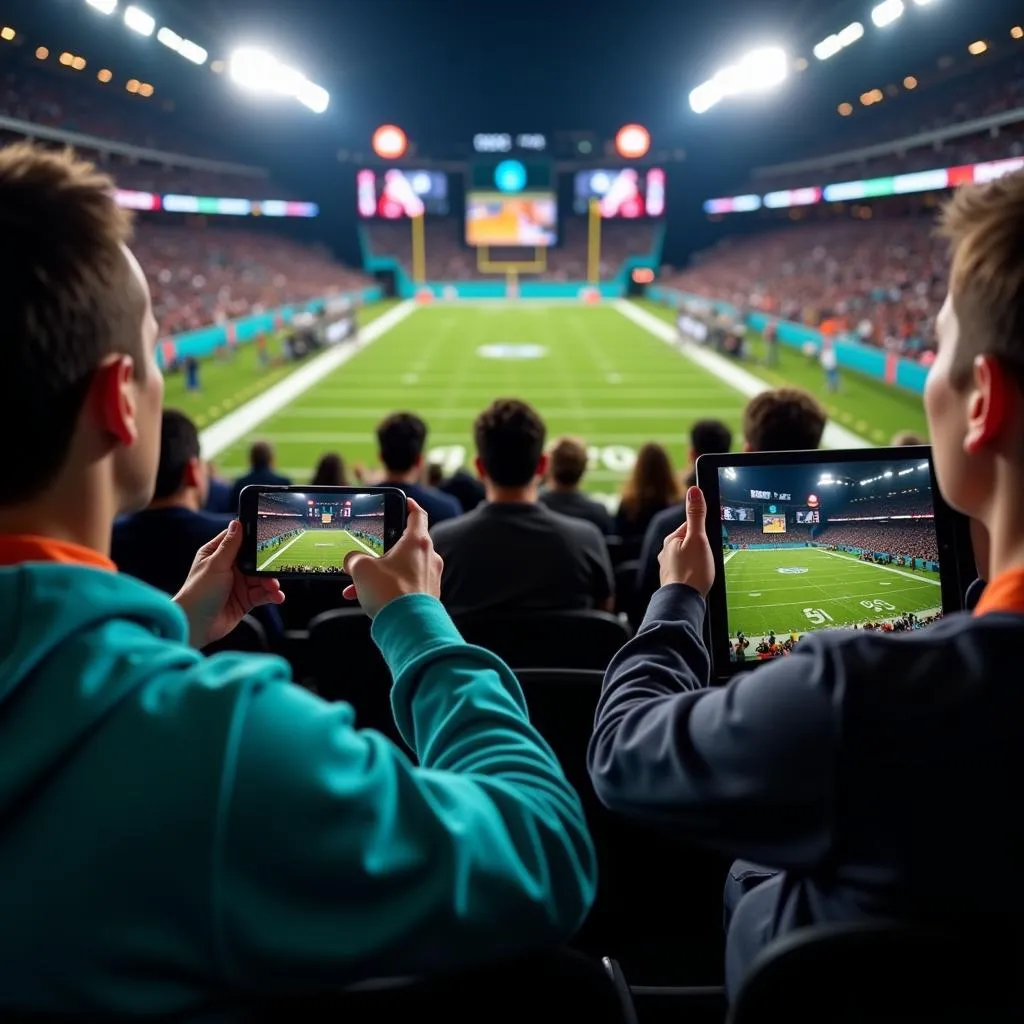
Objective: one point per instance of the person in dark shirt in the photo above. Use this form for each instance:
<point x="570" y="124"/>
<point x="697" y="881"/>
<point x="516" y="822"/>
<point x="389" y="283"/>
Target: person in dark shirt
<point x="465" y="488"/>
<point x="867" y="775"/>
<point x="651" y="488"/>
<point x="261" y="461"/>
<point x="513" y="553"/>
<point x="218" y="493"/>
<point x="401" y="440"/>
<point x="159" y="544"/>
<point x="780" y="420"/>
<point x="566" y="467"/>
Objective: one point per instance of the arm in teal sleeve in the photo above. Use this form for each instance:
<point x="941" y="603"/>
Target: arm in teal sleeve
<point x="342" y="860"/>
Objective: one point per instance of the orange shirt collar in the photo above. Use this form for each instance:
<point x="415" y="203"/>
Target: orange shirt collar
<point x="18" y="548"/>
<point x="1003" y="594"/>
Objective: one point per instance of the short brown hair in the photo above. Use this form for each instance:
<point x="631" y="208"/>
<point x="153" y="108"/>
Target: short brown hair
<point x="67" y="301"/>
<point x="984" y="225"/>
<point x="906" y="438"/>
<point x="509" y="438"/>
<point x="783" y="420"/>
<point x="568" y="461"/>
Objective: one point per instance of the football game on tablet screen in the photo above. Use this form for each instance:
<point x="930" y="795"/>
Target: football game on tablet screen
<point x="312" y="532"/>
<point x="808" y="547"/>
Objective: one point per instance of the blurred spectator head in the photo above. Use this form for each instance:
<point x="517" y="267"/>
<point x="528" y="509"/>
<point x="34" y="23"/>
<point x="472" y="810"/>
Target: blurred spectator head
<point x="181" y="476"/>
<point x="974" y="396"/>
<point x="435" y="475"/>
<point x="330" y="471"/>
<point x="907" y="439"/>
<point x="400" y="440"/>
<point x="261" y="456"/>
<point x="510" y="443"/>
<point x="80" y="379"/>
<point x="653" y="483"/>
<point x="709" y="437"/>
<point x="568" y="462"/>
<point x="783" y="420"/>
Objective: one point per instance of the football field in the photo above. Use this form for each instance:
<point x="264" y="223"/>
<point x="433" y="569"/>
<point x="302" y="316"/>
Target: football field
<point x="591" y="371"/>
<point x="319" y="549"/>
<point x="796" y="590"/>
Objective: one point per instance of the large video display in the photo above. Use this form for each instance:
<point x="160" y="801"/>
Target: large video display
<point x="394" y="193"/>
<point x="624" y="193"/>
<point x="524" y="219"/>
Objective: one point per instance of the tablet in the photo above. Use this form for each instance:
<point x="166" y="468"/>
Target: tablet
<point x="805" y="541"/>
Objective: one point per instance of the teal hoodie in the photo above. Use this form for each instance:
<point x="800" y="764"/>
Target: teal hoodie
<point x="176" y="828"/>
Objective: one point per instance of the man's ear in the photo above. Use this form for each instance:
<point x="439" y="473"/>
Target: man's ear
<point x="195" y="474"/>
<point x="478" y="465"/>
<point x="988" y="404"/>
<point x="114" y="400"/>
<point x="542" y="465"/>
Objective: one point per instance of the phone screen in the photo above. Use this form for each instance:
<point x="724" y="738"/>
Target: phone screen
<point x="312" y="532"/>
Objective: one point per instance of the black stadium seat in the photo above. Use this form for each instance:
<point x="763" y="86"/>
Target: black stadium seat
<point x="626" y="590"/>
<point x="884" y="973"/>
<point x="248" y="637"/>
<point x="576" y="639"/>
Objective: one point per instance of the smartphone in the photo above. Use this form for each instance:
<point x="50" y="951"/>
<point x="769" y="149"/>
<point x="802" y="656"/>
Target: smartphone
<point x="304" y="532"/>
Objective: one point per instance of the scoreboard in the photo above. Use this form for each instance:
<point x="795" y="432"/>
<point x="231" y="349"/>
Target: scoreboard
<point x="398" y="193"/>
<point x="327" y="513"/>
<point x="628" y="192"/>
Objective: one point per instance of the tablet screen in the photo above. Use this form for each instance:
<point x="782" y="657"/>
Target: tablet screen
<point x="826" y="545"/>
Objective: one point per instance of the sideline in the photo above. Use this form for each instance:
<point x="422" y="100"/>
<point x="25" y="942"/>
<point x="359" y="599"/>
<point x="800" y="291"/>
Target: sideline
<point x="726" y="370"/>
<point x="239" y="423"/>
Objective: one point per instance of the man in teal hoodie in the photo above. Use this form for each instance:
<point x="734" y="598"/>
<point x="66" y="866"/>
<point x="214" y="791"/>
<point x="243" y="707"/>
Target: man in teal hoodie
<point x="178" y="829"/>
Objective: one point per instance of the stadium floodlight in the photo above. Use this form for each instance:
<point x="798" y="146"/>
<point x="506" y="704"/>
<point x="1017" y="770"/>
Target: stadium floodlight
<point x="887" y="12"/>
<point x="184" y="47"/>
<point x="705" y="96"/>
<point x="139" y="21"/>
<point x="828" y="47"/>
<point x="757" y="71"/>
<point x="849" y="35"/>
<point x="262" y="73"/>
<point x="103" y="6"/>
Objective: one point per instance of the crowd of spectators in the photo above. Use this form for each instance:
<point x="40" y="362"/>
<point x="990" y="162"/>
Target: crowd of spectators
<point x="905" y="539"/>
<point x="205" y="276"/>
<point x="271" y="529"/>
<point x="883" y="280"/>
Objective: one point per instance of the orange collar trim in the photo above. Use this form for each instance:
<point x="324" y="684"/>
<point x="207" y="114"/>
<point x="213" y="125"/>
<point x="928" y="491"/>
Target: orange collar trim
<point x="1003" y="594"/>
<point x="18" y="548"/>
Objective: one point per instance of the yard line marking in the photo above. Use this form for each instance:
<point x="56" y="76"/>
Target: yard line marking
<point x="365" y="547"/>
<point x="281" y="551"/>
<point x="236" y="425"/>
<point x="729" y="557"/>
<point x="726" y="370"/>
<point x="886" y="568"/>
<point x="351" y="412"/>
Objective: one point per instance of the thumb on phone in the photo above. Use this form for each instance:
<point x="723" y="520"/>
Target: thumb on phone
<point x="696" y="512"/>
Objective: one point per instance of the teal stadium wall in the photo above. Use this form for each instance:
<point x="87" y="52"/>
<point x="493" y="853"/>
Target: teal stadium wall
<point x="851" y="355"/>
<point x="616" y="288"/>
<point x="207" y="340"/>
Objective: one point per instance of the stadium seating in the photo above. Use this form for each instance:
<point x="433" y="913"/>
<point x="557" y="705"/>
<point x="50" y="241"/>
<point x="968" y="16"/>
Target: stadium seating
<point x="572" y="639"/>
<point x="882" y="971"/>
<point x="248" y="636"/>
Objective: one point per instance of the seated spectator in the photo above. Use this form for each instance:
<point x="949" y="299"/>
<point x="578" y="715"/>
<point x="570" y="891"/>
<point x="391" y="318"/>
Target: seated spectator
<point x="906" y="439"/>
<point x="159" y="544"/>
<point x="821" y="767"/>
<point x="232" y="834"/>
<point x="780" y="420"/>
<point x="465" y="488"/>
<point x="566" y="467"/>
<point x="330" y="472"/>
<point x="261" y="473"/>
<point x="401" y="439"/>
<point x="651" y="488"/>
<point x="218" y="493"/>
<point x="707" y="437"/>
<point x="513" y="553"/>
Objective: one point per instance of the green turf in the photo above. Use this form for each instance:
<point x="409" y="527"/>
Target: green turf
<point x="593" y="373"/>
<point x="827" y="589"/>
<point x="318" y="549"/>
<point x="227" y="383"/>
<point x="866" y="406"/>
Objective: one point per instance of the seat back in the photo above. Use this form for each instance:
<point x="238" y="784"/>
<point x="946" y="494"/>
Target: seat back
<point x="882" y="971"/>
<point x="626" y="590"/>
<point x="570" y="639"/>
<point x="248" y="637"/>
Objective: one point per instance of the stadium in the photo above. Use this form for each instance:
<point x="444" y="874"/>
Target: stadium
<point x="400" y="244"/>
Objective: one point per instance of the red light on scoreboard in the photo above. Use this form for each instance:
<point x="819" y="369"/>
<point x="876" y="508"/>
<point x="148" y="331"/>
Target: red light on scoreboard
<point x="389" y="142"/>
<point x="632" y="141"/>
<point x="812" y="501"/>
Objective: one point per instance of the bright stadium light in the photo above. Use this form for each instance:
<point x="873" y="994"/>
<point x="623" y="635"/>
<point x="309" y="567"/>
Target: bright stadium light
<point x="139" y="21"/>
<point x="262" y="73"/>
<point x="757" y="71"/>
<point x="103" y="6"/>
<point x="184" y="47"/>
<point x="887" y="12"/>
<point x="849" y="35"/>
<point x="705" y="96"/>
<point x="828" y="47"/>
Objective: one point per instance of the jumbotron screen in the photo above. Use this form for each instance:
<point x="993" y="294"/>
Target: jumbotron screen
<point x="525" y="219"/>
<point x="394" y="194"/>
<point x="623" y="193"/>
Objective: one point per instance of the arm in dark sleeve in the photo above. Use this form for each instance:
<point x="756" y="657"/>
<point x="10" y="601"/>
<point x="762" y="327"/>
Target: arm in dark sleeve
<point x="747" y="769"/>
<point x="599" y="564"/>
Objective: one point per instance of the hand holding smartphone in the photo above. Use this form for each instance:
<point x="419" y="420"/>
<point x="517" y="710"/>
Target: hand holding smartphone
<point x="306" y="532"/>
